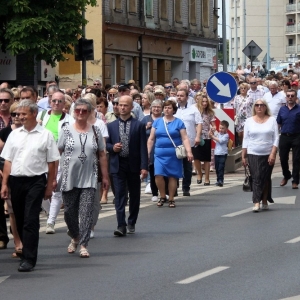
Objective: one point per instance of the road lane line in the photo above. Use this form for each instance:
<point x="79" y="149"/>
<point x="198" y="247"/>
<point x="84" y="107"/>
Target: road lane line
<point x="292" y="298"/>
<point x="293" y="241"/>
<point x="3" y="278"/>
<point x="202" y="275"/>
<point x="237" y="213"/>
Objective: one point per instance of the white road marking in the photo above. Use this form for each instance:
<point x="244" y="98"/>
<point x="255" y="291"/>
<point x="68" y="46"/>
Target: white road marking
<point x="292" y="298"/>
<point x="285" y="200"/>
<point x="3" y="278"/>
<point x="293" y="241"/>
<point x="237" y="213"/>
<point x="202" y="275"/>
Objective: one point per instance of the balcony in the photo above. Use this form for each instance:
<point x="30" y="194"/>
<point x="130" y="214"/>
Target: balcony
<point x="291" y="7"/>
<point x="291" y="49"/>
<point x="290" y="28"/>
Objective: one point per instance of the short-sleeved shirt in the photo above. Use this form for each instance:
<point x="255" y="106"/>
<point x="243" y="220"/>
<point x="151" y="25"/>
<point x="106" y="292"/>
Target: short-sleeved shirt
<point x="52" y="125"/>
<point x="79" y="160"/>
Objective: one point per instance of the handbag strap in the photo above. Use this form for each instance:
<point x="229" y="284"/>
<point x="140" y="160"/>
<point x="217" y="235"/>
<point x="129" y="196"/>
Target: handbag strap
<point x="97" y="141"/>
<point x="247" y="171"/>
<point x="168" y="133"/>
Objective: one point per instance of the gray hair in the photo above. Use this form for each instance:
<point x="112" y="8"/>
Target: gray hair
<point x="268" y="111"/>
<point x="156" y="102"/>
<point x="33" y="108"/>
<point x="82" y="101"/>
<point x="8" y="91"/>
<point x="52" y="88"/>
<point x="273" y="83"/>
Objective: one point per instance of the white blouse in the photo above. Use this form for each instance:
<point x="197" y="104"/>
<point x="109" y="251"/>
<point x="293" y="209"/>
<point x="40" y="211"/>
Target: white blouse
<point x="259" y="138"/>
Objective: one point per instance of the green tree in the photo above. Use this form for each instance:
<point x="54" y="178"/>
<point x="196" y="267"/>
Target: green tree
<point x="44" y="29"/>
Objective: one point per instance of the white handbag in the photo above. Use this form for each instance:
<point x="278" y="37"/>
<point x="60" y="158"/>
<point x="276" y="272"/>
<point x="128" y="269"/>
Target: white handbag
<point x="179" y="150"/>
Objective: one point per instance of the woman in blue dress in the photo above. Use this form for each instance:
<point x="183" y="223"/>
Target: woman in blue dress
<point x="165" y="161"/>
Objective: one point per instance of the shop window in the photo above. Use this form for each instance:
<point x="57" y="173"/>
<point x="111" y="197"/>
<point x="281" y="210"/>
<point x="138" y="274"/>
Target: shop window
<point x="132" y="6"/>
<point x="164" y="9"/>
<point x="177" y="10"/>
<point x="113" y="71"/>
<point x="193" y="12"/>
<point x="145" y="71"/>
<point x="128" y="69"/>
<point x="149" y="8"/>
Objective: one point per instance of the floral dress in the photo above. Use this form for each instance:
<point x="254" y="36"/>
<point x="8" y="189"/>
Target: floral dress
<point x="243" y="110"/>
<point x="207" y="119"/>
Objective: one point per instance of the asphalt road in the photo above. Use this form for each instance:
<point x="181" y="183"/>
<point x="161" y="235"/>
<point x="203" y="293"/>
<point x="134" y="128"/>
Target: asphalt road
<point x="211" y="246"/>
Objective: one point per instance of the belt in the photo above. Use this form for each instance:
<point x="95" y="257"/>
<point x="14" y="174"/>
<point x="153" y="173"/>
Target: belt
<point x="290" y="134"/>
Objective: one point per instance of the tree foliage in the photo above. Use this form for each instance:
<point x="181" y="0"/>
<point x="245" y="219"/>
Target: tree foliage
<point x="46" y="29"/>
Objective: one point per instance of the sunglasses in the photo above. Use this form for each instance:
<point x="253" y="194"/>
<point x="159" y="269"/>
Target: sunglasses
<point x="80" y="111"/>
<point x="290" y="96"/>
<point x="254" y="82"/>
<point x="259" y="105"/>
<point x="17" y="99"/>
<point x="96" y="83"/>
<point x="5" y="100"/>
<point x="56" y="101"/>
<point x="111" y="95"/>
<point x="168" y="87"/>
<point x="13" y="114"/>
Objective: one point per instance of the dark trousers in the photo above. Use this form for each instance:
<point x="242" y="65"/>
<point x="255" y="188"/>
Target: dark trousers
<point x="220" y="167"/>
<point x="27" y="194"/>
<point x="187" y="175"/>
<point x="3" y="228"/>
<point x="132" y="180"/>
<point x="285" y="144"/>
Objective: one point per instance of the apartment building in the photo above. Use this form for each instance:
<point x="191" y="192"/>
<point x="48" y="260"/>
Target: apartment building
<point x="248" y="21"/>
<point x="147" y="40"/>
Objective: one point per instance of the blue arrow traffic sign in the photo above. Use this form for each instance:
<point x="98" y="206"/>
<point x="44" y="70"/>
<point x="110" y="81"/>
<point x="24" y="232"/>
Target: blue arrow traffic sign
<point x="221" y="87"/>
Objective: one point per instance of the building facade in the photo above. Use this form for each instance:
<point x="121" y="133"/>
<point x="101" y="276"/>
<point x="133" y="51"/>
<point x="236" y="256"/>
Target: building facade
<point x="148" y="40"/>
<point x="248" y="21"/>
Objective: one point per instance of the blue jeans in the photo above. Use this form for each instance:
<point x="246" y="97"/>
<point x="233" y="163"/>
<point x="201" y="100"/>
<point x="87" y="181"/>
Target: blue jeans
<point x="220" y="167"/>
<point x="187" y="175"/>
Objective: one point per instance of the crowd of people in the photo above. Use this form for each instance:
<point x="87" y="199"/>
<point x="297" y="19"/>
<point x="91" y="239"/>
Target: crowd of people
<point x="68" y="149"/>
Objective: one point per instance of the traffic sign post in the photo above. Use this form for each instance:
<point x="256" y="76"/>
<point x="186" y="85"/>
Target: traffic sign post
<point x="221" y="87"/>
<point x="252" y="50"/>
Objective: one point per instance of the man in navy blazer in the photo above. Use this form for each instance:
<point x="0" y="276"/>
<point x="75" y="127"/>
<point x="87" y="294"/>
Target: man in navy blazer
<point x="127" y="147"/>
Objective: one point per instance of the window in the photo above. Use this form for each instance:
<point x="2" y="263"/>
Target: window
<point x="145" y="71"/>
<point x="132" y="6"/>
<point x="193" y="12"/>
<point x="177" y="11"/>
<point x="113" y="71"/>
<point x="128" y="69"/>
<point x="118" y="5"/>
<point x="164" y="9"/>
<point x="149" y="8"/>
<point x="291" y="42"/>
<point x="205" y="13"/>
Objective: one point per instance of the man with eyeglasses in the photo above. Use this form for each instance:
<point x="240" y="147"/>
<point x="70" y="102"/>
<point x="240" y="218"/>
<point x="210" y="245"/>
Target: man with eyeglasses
<point x="254" y="93"/>
<point x="97" y="84"/>
<point x="53" y="120"/>
<point x="168" y="86"/>
<point x="274" y="99"/>
<point x="6" y="100"/>
<point x="289" y="121"/>
<point x="196" y="85"/>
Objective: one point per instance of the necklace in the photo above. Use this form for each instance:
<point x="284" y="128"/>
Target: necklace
<point x="82" y="155"/>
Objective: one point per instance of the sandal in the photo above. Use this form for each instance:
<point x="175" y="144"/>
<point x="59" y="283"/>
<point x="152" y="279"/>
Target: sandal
<point x="172" y="204"/>
<point x="161" y="201"/>
<point x="72" y="247"/>
<point x="83" y="253"/>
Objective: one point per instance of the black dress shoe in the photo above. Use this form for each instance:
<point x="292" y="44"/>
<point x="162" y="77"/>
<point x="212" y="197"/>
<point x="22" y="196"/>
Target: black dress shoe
<point x="130" y="229"/>
<point x="186" y="193"/>
<point x="26" y="266"/>
<point x="120" y="231"/>
<point x="207" y="183"/>
<point x="199" y="181"/>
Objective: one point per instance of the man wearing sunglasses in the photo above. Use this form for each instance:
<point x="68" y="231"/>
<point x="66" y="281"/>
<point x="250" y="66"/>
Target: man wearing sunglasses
<point x="274" y="99"/>
<point x="6" y="100"/>
<point x="53" y="120"/>
<point x="168" y="86"/>
<point x="289" y="121"/>
<point x="254" y="93"/>
<point x="97" y="84"/>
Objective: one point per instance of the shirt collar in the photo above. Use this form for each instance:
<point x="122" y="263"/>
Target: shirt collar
<point x="182" y="107"/>
<point x="129" y="119"/>
<point x="37" y="128"/>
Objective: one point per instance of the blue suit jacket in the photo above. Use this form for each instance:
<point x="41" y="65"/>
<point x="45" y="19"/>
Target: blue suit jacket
<point x="138" y="154"/>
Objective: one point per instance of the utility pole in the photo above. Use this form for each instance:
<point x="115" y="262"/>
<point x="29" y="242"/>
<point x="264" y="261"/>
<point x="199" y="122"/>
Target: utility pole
<point x="83" y="71"/>
<point x="236" y="37"/>
<point x="224" y="36"/>
<point x="268" y="38"/>
<point x="245" y="31"/>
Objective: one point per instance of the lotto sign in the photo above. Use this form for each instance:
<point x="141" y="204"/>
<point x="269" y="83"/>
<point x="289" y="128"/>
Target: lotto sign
<point x="198" y="54"/>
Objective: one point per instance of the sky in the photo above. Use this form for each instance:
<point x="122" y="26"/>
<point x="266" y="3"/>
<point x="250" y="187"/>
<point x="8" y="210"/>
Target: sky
<point x="220" y="18"/>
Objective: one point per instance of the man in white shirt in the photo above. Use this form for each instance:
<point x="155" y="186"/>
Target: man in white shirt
<point x="192" y="120"/>
<point x="247" y="70"/>
<point x="53" y="120"/>
<point x="30" y="153"/>
<point x="274" y="99"/>
<point x="254" y="93"/>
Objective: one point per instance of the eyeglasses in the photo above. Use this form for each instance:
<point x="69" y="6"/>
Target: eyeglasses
<point x="96" y="83"/>
<point x="259" y="105"/>
<point x="5" y="100"/>
<point x="80" y="111"/>
<point x="14" y="114"/>
<point x="168" y="87"/>
<point x="254" y="82"/>
<point x="111" y="95"/>
<point x="290" y="96"/>
<point x="115" y="103"/>
<point x="56" y="101"/>
<point x="17" y="99"/>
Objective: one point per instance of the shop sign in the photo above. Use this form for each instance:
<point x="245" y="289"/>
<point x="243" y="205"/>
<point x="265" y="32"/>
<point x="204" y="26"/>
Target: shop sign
<point x="47" y="72"/>
<point x="8" y="65"/>
<point x="198" y="54"/>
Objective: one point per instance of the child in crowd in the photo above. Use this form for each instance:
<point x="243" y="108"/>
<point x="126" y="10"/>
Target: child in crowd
<point x="221" y="150"/>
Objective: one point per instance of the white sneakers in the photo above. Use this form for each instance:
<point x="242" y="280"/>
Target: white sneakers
<point x="50" y="229"/>
<point x="154" y="199"/>
<point x="92" y="234"/>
